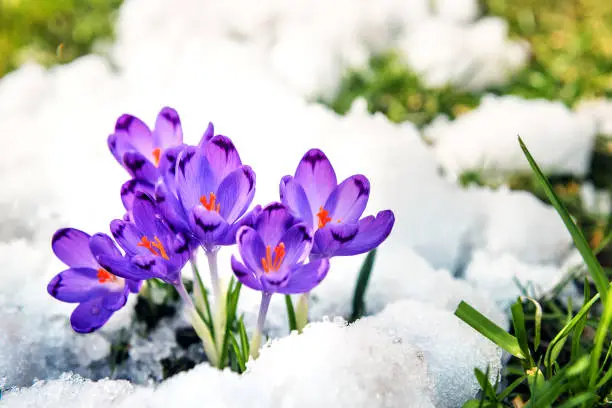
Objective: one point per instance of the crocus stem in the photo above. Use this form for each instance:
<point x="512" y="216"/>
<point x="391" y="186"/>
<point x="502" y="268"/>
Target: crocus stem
<point x="214" y="273"/>
<point x="180" y="288"/>
<point x="198" y="287"/>
<point x="261" y="319"/>
<point x="301" y="311"/>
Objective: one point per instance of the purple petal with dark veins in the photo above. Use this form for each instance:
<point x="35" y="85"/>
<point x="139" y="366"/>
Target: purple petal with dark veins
<point x="208" y="226"/>
<point x="129" y="188"/>
<point x="274" y="220"/>
<point x="90" y="316"/>
<point x="76" y="285"/>
<point x="245" y="275"/>
<point x="273" y="281"/>
<point x="168" y="131"/>
<point x="121" y="267"/>
<point x="140" y="167"/>
<point x="208" y="134"/>
<point x="298" y="242"/>
<point x="247" y="220"/>
<point x="317" y="176"/>
<point x="167" y="166"/>
<point x="372" y="232"/>
<point x="292" y="194"/>
<point x="195" y="178"/>
<point x="150" y="266"/>
<point x="102" y="244"/>
<point x="348" y="201"/>
<point x="329" y="239"/>
<point x="306" y="277"/>
<point x="222" y="156"/>
<point x="135" y="132"/>
<point x="235" y="193"/>
<point x="251" y="247"/>
<point x="127" y="236"/>
<point x="171" y="209"/>
<point x="71" y="246"/>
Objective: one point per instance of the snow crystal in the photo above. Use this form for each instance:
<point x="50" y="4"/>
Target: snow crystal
<point x="450" y="348"/>
<point x="486" y="138"/>
<point x="354" y="366"/>
<point x="472" y="57"/>
<point x="600" y="111"/>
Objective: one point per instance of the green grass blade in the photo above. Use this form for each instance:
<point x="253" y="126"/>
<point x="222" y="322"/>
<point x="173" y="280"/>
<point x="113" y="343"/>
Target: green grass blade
<point x="238" y="354"/>
<point x="594" y="267"/>
<point x="490" y="330"/>
<point x="577" y="334"/>
<point x="244" y="339"/>
<point x="578" y="400"/>
<point x="520" y="331"/>
<point x="508" y="390"/>
<point x="600" y="338"/>
<point x="537" y="321"/>
<point x="362" y="284"/>
<point x="290" y="313"/>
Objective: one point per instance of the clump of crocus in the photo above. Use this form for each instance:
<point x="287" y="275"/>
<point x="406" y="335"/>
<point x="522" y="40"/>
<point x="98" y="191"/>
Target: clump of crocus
<point x="333" y="211"/>
<point x="99" y="292"/>
<point x="273" y="253"/>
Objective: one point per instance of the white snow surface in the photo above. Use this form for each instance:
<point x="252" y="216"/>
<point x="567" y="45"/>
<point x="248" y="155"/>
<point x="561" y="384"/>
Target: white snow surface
<point x="485" y="139"/>
<point x="249" y="68"/>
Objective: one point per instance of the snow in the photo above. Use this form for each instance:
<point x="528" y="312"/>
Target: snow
<point x="599" y="110"/>
<point x="485" y="139"/>
<point x="251" y="68"/>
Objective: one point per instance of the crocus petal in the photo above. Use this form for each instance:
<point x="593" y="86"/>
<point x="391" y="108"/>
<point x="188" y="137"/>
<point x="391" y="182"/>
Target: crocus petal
<point x="194" y="177"/>
<point x="128" y="191"/>
<point x="306" y="277"/>
<point x="317" y="176"/>
<point x="115" y="300"/>
<point x="208" y="134"/>
<point x="298" y="242"/>
<point x="149" y="266"/>
<point x="102" y="244"/>
<point x="235" y="193"/>
<point x="272" y="223"/>
<point x="171" y="209"/>
<point x="167" y="166"/>
<point x="140" y="167"/>
<point x="251" y="248"/>
<point x="76" y="285"/>
<point x="135" y="132"/>
<point x="118" y="145"/>
<point x="329" y="239"/>
<point x="168" y="131"/>
<point x="133" y="285"/>
<point x="292" y="194"/>
<point x="222" y="156"/>
<point x="121" y="267"/>
<point x="348" y="201"/>
<point x="146" y="214"/>
<point x="127" y="236"/>
<point x="208" y="226"/>
<point x="71" y="246"/>
<point x="90" y="316"/>
<point x="248" y="220"/>
<point x="245" y="275"/>
<point x="372" y="232"/>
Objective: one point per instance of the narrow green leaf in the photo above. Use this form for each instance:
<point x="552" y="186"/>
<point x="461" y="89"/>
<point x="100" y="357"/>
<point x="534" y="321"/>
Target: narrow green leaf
<point x="362" y="284"/>
<point x="485" y="384"/>
<point x="490" y="330"/>
<point x="537" y="321"/>
<point x="508" y="390"/>
<point x="600" y="338"/>
<point x="238" y="355"/>
<point x="290" y="313"/>
<point x="579" y="329"/>
<point x="578" y="400"/>
<point x="553" y="351"/>
<point x="244" y="339"/>
<point x="520" y="331"/>
<point x="594" y="267"/>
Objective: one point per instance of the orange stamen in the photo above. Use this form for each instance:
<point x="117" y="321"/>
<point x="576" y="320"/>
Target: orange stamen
<point x="271" y="264"/>
<point x="323" y="216"/>
<point x="210" y="203"/>
<point x="104" y="276"/>
<point x="156" y="156"/>
<point x="156" y="247"/>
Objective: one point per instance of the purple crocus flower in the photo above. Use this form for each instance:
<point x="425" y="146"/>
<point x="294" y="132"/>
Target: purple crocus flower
<point x="141" y="151"/>
<point x="273" y="252"/>
<point x="333" y="210"/>
<point x="213" y="190"/>
<point x="98" y="292"/>
<point x="153" y="250"/>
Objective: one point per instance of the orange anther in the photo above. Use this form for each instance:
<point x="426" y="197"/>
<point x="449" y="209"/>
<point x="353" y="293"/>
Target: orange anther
<point x="323" y="216"/>
<point x="210" y="203"/>
<point x="156" y="156"/>
<point x="271" y="264"/>
<point x="156" y="247"/>
<point x="104" y="276"/>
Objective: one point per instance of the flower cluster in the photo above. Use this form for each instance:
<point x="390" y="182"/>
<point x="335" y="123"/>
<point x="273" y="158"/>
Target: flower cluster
<point x="181" y="198"/>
